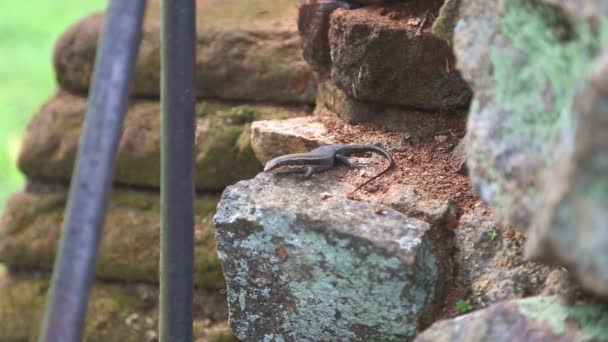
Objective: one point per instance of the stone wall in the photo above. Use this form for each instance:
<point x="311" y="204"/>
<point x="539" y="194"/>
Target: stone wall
<point x="418" y="246"/>
<point x="249" y="68"/>
<point x="492" y="111"/>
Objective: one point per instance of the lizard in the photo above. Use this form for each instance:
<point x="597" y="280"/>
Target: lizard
<point x="325" y="157"/>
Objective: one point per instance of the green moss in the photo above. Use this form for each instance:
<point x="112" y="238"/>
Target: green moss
<point x="443" y="27"/>
<point x="537" y="82"/>
<point x="591" y="320"/>
<point x="205" y="108"/>
<point x="220" y="162"/>
<point x="243" y="114"/>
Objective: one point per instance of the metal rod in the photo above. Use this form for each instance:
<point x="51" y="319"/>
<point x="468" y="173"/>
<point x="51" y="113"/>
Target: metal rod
<point x="178" y="98"/>
<point x="91" y="184"/>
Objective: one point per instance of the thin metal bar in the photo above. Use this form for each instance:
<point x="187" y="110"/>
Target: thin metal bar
<point x="178" y="98"/>
<point x="74" y="269"/>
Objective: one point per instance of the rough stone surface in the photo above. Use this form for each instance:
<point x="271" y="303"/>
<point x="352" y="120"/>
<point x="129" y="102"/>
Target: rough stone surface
<point x="332" y="99"/>
<point x="460" y="156"/>
<point x="272" y="138"/>
<point x="511" y="53"/>
<point x="582" y="9"/>
<point x="531" y="319"/>
<point x="31" y="224"/>
<point x="313" y="26"/>
<point x="302" y="262"/>
<point x="413" y="202"/>
<point x="223" y="149"/>
<point x="491" y="263"/>
<point x="247" y="50"/>
<point x="389" y="55"/>
<point x="572" y="226"/>
<point x="116" y="312"/>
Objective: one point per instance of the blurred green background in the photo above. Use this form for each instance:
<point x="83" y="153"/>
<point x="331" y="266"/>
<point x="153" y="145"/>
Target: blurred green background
<point x="28" y="31"/>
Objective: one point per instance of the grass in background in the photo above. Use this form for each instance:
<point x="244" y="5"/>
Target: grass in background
<point x="28" y="31"/>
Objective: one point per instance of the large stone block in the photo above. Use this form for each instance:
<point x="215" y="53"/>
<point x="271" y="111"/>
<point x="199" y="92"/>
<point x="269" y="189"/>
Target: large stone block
<point x="247" y="50"/>
<point x="223" y="153"/>
<point x="304" y="263"/>
<point x="571" y="227"/>
<point x="536" y="127"/>
<point x="530" y="319"/>
<point x="389" y="55"/>
<point x="524" y="60"/>
<point x="31" y="225"/>
<point x="116" y="312"/>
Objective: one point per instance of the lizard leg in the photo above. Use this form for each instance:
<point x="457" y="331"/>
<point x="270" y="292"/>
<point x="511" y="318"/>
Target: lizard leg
<point x="309" y="172"/>
<point x="344" y="160"/>
<point x="314" y="169"/>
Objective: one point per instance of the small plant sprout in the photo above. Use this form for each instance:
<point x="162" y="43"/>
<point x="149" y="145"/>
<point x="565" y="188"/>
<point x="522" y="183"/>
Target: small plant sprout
<point x="463" y="306"/>
<point x="492" y="234"/>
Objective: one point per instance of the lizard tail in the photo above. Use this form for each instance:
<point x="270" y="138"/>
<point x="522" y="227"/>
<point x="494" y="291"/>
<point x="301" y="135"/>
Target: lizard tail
<point x="390" y="166"/>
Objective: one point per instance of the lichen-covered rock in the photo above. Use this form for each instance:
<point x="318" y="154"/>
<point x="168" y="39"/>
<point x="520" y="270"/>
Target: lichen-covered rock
<point x="389" y="55"/>
<point x="116" y="312"/>
<point x="530" y="319"/>
<point x="272" y="138"/>
<point x="582" y="9"/>
<point x="302" y="262"/>
<point x="31" y="225"/>
<point x="571" y="227"/>
<point x="223" y="153"/>
<point x="247" y="50"/>
<point x="491" y="263"/>
<point x="524" y="60"/>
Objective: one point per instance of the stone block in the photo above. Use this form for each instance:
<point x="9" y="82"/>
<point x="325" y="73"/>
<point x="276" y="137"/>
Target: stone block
<point x="302" y="262"/>
<point x="223" y="153"/>
<point x="246" y="50"/>
<point x="31" y="225"/>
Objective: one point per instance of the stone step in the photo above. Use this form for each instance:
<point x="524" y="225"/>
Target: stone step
<point x="531" y="319"/>
<point x="302" y="262"/>
<point x="420" y="143"/>
<point x="31" y="224"/>
<point x="117" y="312"/>
<point x="481" y="261"/>
<point x="308" y="261"/>
<point x="223" y="151"/>
<point x="247" y="50"/>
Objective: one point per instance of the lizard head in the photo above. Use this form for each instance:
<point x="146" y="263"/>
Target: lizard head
<point x="271" y="165"/>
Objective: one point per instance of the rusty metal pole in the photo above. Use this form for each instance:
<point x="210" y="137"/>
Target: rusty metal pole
<point x="91" y="184"/>
<point x="178" y="97"/>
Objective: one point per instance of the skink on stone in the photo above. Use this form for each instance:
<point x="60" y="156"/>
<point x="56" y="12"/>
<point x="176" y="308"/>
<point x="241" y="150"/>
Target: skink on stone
<point x="325" y="157"/>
